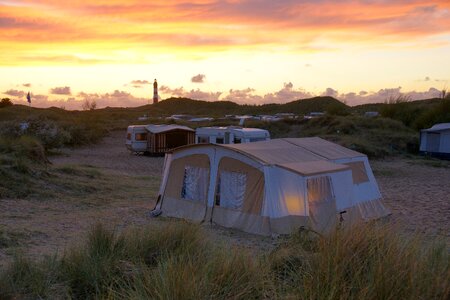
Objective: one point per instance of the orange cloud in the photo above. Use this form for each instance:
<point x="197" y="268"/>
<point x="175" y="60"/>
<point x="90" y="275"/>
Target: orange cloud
<point x="90" y="32"/>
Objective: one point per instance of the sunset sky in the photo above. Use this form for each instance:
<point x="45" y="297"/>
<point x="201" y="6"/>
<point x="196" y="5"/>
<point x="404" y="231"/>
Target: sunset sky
<point x="247" y="51"/>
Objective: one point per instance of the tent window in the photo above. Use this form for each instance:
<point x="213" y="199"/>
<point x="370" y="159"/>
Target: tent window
<point x="359" y="173"/>
<point x="230" y="191"/>
<point x="195" y="184"/>
<point x="140" y="137"/>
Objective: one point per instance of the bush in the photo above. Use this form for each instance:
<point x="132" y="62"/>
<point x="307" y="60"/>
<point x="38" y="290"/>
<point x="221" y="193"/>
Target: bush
<point x="24" y="148"/>
<point x="439" y="113"/>
<point x="178" y="262"/>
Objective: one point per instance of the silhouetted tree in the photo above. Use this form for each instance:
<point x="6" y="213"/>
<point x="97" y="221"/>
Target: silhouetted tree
<point x="89" y="104"/>
<point x="5" y="102"/>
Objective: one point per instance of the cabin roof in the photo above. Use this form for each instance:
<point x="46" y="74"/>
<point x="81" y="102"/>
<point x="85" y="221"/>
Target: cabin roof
<point x="165" y="128"/>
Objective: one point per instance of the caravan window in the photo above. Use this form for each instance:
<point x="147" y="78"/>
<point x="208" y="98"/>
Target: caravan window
<point x="128" y="136"/>
<point x="140" y="136"/>
<point x="257" y="139"/>
<point x="219" y="140"/>
<point x="195" y="184"/>
<point x="237" y="140"/>
<point x="230" y="191"/>
<point x="203" y="140"/>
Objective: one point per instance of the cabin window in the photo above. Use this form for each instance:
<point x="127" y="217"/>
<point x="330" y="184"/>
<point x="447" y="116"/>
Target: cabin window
<point x="230" y="190"/>
<point x="140" y="136"/>
<point x="195" y="184"/>
<point x="128" y="136"/>
<point x="257" y="139"/>
<point x="219" y="140"/>
<point x="203" y="140"/>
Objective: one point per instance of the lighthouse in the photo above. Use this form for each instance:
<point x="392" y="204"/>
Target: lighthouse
<point x="155" y="92"/>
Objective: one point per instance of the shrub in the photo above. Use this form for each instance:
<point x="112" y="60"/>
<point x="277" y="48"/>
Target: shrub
<point x="5" y="102"/>
<point x="439" y="113"/>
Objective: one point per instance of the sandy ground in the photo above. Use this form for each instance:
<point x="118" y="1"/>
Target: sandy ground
<point x="417" y="194"/>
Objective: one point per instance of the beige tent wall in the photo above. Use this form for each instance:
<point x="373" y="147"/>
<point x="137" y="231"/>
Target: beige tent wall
<point x="173" y="204"/>
<point x="248" y="217"/>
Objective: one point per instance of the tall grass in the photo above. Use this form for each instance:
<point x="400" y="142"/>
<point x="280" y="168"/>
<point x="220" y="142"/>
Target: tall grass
<point x="178" y="262"/>
<point x="364" y="262"/>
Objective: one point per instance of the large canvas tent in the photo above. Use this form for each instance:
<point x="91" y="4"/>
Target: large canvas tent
<point x="435" y="141"/>
<point x="271" y="186"/>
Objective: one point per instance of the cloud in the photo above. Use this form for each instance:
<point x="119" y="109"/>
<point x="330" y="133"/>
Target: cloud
<point x="384" y="95"/>
<point x="42" y="29"/>
<point x="330" y="93"/>
<point x="139" y="82"/>
<point x="193" y="93"/>
<point x="15" y="93"/>
<point x="285" y="94"/>
<point x="61" y="91"/>
<point x="200" y="78"/>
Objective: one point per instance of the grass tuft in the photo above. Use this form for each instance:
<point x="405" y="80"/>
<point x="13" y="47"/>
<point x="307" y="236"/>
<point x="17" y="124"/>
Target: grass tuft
<point x="178" y="262"/>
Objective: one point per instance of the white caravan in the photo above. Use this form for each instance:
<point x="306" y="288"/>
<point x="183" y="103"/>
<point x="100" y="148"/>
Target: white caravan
<point x="230" y="135"/>
<point x="137" y="138"/>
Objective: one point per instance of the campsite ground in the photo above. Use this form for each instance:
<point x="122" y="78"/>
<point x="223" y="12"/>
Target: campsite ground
<point x="415" y="190"/>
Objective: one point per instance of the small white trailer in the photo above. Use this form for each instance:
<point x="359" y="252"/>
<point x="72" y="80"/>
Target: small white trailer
<point x="230" y="135"/>
<point x="137" y="138"/>
<point x="158" y="139"/>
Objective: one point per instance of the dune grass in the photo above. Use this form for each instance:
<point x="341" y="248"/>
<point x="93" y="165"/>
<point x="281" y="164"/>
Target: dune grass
<point x="177" y="261"/>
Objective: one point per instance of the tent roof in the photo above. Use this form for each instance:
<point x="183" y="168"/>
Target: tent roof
<point x="438" y="127"/>
<point x="289" y="150"/>
<point x="306" y="156"/>
<point x="311" y="168"/>
<point x="165" y="128"/>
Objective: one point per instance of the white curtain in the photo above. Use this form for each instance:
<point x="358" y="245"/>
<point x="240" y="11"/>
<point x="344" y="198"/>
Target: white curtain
<point x="232" y="189"/>
<point x="195" y="184"/>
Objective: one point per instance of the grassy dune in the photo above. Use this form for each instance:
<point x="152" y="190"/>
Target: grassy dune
<point x="179" y="262"/>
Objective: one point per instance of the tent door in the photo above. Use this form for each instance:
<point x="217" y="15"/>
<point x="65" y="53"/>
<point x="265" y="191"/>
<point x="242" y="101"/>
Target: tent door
<point x="433" y="141"/>
<point x="322" y="204"/>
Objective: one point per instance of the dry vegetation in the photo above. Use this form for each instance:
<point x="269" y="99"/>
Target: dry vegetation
<point x="179" y="262"/>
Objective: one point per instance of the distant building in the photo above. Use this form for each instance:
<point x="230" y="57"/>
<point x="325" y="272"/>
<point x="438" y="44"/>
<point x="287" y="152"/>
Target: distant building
<point x="371" y="114"/>
<point x="314" y="114"/>
<point x="155" y="92"/>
